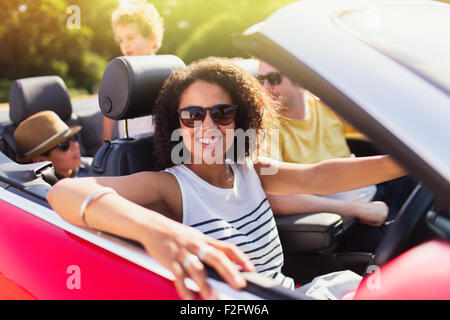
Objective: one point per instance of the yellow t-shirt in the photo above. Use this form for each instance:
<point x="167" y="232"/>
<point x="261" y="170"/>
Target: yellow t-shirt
<point x="319" y="136"/>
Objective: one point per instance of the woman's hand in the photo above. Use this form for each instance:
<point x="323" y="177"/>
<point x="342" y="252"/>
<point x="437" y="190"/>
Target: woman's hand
<point x="373" y="213"/>
<point x="171" y="243"/>
<point x="177" y="247"/>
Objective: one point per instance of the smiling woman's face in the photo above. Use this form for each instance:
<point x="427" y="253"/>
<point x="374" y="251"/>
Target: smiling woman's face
<point x="207" y="142"/>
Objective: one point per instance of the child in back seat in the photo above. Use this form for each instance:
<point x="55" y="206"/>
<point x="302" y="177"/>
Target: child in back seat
<point x="138" y="30"/>
<point x="45" y="137"/>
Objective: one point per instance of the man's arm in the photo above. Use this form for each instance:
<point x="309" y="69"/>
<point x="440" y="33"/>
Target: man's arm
<point x="373" y="213"/>
<point x="326" y="177"/>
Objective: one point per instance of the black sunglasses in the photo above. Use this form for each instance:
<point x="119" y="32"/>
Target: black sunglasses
<point x="274" y="78"/>
<point x="64" y="146"/>
<point x="222" y="114"/>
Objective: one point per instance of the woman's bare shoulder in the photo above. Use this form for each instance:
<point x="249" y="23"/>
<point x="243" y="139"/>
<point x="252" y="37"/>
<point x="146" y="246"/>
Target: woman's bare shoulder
<point x="161" y="178"/>
<point x="161" y="187"/>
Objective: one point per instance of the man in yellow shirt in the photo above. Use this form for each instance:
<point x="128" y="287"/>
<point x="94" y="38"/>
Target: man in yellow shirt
<point x="311" y="133"/>
<point x="317" y="136"/>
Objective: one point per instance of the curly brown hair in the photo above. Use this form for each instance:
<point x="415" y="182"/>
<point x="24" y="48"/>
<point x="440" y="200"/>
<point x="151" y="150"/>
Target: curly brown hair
<point x="256" y="108"/>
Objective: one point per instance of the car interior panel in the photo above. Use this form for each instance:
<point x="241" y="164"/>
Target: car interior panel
<point x="361" y="146"/>
<point x="90" y="137"/>
<point x="33" y="178"/>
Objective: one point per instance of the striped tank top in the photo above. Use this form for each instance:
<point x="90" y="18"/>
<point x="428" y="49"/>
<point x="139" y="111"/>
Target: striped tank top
<point x="240" y="215"/>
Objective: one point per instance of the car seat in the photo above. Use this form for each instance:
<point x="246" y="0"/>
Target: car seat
<point x="31" y="95"/>
<point x="129" y="88"/>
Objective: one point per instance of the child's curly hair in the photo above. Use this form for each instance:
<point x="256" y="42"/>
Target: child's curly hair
<point x="145" y="16"/>
<point x="256" y="108"/>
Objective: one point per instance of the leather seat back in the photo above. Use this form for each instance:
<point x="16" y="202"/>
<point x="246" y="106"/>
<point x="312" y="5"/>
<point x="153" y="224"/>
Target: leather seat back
<point x="129" y="88"/>
<point x="31" y="95"/>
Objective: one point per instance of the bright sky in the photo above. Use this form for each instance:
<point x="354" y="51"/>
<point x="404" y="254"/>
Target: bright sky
<point x="125" y="3"/>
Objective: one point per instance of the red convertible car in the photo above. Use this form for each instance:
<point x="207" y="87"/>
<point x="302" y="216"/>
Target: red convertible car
<point x="382" y="65"/>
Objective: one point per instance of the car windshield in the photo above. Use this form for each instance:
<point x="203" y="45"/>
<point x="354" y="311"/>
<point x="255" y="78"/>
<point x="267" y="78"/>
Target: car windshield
<point x="417" y="36"/>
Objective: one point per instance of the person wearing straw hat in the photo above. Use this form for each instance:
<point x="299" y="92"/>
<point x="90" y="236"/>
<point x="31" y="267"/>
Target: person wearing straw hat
<point x="45" y="137"/>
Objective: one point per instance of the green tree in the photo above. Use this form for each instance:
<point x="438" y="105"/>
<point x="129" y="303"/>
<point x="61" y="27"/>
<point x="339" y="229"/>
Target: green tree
<point x="196" y="28"/>
<point x="38" y="41"/>
<point x="213" y="38"/>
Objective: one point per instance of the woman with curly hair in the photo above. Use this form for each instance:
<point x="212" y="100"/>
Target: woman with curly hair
<point x="218" y="194"/>
<point x="255" y="110"/>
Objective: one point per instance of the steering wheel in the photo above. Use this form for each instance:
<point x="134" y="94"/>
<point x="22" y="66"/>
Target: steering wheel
<point x="413" y="210"/>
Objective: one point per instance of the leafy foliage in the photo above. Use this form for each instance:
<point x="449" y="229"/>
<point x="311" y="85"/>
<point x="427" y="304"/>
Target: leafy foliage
<point x="38" y="39"/>
<point x="198" y="28"/>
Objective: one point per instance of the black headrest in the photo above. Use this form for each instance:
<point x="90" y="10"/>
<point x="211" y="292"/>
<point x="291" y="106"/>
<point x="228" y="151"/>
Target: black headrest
<point x="31" y="95"/>
<point x="130" y="85"/>
<point x="251" y="65"/>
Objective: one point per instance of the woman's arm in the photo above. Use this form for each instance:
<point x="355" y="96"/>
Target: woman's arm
<point x="168" y="241"/>
<point x="143" y="188"/>
<point x="326" y="177"/>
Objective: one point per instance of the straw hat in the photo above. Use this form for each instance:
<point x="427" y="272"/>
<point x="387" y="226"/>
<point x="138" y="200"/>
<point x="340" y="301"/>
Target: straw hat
<point x="40" y="133"/>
